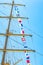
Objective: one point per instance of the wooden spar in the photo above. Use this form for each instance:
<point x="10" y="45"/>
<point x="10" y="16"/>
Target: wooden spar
<point x="14" y="17"/>
<point x="16" y="50"/>
<point x="1" y="34"/>
<point x="11" y="4"/>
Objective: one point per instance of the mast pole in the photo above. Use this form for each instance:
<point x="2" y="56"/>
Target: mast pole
<point x="6" y="40"/>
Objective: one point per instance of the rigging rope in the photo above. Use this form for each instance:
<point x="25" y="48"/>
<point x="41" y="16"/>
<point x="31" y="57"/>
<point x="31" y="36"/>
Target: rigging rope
<point x="34" y="32"/>
<point x="26" y="27"/>
<point x="23" y="46"/>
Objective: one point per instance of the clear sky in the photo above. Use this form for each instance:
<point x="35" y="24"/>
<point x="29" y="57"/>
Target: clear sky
<point x="34" y="26"/>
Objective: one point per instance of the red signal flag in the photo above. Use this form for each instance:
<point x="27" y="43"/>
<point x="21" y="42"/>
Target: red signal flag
<point x="19" y="20"/>
<point x="22" y="32"/>
<point x="28" y="61"/>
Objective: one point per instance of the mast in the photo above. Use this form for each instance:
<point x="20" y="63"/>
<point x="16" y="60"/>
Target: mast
<point x="6" y="40"/>
<point x="10" y="34"/>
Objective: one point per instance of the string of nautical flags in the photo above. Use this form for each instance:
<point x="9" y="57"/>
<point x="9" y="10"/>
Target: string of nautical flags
<point x="23" y="39"/>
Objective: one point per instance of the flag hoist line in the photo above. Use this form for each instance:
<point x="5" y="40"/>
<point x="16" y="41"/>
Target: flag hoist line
<point x="23" y="37"/>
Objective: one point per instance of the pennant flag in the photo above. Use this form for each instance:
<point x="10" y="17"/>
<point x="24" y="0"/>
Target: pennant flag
<point x="28" y="61"/>
<point x="25" y="47"/>
<point x="22" y="32"/>
<point x="28" y="57"/>
<point x="16" y="8"/>
<point x="23" y="39"/>
<point x="26" y="54"/>
<point x="19" y="20"/>
<point x="22" y="25"/>
<point x="19" y="24"/>
<point x="17" y="11"/>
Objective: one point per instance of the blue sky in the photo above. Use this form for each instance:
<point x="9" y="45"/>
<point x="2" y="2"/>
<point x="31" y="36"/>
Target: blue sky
<point x="33" y="10"/>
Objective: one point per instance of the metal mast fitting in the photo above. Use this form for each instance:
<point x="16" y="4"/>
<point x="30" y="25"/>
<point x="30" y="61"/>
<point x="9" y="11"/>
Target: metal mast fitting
<point x="9" y="34"/>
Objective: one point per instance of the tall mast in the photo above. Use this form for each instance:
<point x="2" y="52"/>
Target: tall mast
<point x="6" y="40"/>
<point x="10" y="34"/>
